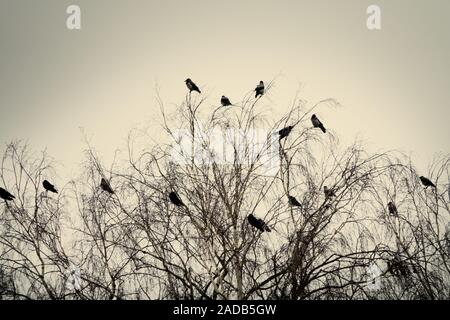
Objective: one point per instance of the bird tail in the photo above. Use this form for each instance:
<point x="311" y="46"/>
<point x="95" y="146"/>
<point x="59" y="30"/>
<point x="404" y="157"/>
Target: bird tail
<point x="323" y="128"/>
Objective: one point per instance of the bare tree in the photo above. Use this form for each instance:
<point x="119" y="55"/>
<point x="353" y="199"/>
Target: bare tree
<point x="32" y="257"/>
<point x="225" y="163"/>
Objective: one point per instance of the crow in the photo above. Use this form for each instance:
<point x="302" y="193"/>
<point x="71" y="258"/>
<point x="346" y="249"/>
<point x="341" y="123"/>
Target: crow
<point x="392" y="209"/>
<point x="317" y="123"/>
<point x="105" y="186"/>
<point x="401" y="269"/>
<point x="285" y="132"/>
<point x="394" y="268"/>
<point x="426" y="182"/>
<point x="175" y="199"/>
<point x="5" y="195"/>
<point x="294" y="202"/>
<point x="192" y="86"/>
<point x="328" y="192"/>
<point x="259" y="89"/>
<point x="225" y="101"/>
<point x="49" y="187"/>
<point x="258" y="223"/>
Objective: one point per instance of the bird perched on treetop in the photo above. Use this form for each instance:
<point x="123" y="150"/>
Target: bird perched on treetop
<point x="328" y="192"/>
<point x="49" y="187"/>
<point x="225" y="101"/>
<point x="294" y="202"/>
<point x="317" y="123"/>
<point x="5" y="195"/>
<point x="105" y="186"/>
<point x="285" y="132"/>
<point x="426" y="182"/>
<point x="175" y="199"/>
<point x="392" y="209"/>
<point x="192" y="86"/>
<point x="259" y="89"/>
<point x="257" y="223"/>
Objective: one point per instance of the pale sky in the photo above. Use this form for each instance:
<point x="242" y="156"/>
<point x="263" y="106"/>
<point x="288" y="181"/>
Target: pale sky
<point x="393" y="84"/>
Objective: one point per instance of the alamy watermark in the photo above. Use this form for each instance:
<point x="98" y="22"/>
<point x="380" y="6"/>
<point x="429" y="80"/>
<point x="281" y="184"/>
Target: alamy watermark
<point x="374" y="19"/>
<point x="73" y="21"/>
<point x="73" y="282"/>
<point x="374" y="277"/>
<point x="227" y="146"/>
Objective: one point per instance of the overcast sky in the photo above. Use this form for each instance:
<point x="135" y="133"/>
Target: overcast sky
<point x="393" y="83"/>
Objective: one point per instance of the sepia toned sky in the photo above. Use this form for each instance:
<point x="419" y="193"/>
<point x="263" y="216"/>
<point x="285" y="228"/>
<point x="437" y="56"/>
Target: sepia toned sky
<point x="393" y="83"/>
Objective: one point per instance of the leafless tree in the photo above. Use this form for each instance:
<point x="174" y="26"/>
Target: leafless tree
<point x="32" y="257"/>
<point x="226" y="163"/>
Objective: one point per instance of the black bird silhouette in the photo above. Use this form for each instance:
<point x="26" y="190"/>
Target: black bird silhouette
<point x="175" y="199"/>
<point x="225" y="101"/>
<point x="257" y="223"/>
<point x="393" y="267"/>
<point x="392" y="209"/>
<point x="106" y="186"/>
<point x="317" y="123"/>
<point x="398" y="267"/>
<point x="49" y="187"/>
<point x="192" y="86"/>
<point x="285" y="132"/>
<point x="294" y="202"/>
<point x="5" y="195"/>
<point x="259" y="89"/>
<point x="426" y="182"/>
<point x="328" y="192"/>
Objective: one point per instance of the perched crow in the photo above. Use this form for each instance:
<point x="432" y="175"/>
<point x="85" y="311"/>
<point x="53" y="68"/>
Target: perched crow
<point x="317" y="123"/>
<point x="225" y="101"/>
<point x="426" y="182"/>
<point x="192" y="86"/>
<point x="399" y="268"/>
<point x="328" y="192"/>
<point x="49" y="187"/>
<point x="285" y="132"/>
<point x="259" y="89"/>
<point x="392" y="209"/>
<point x="105" y="186"/>
<point x="294" y="202"/>
<point x="5" y="195"/>
<point x="393" y="267"/>
<point x="175" y="199"/>
<point x="258" y="223"/>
